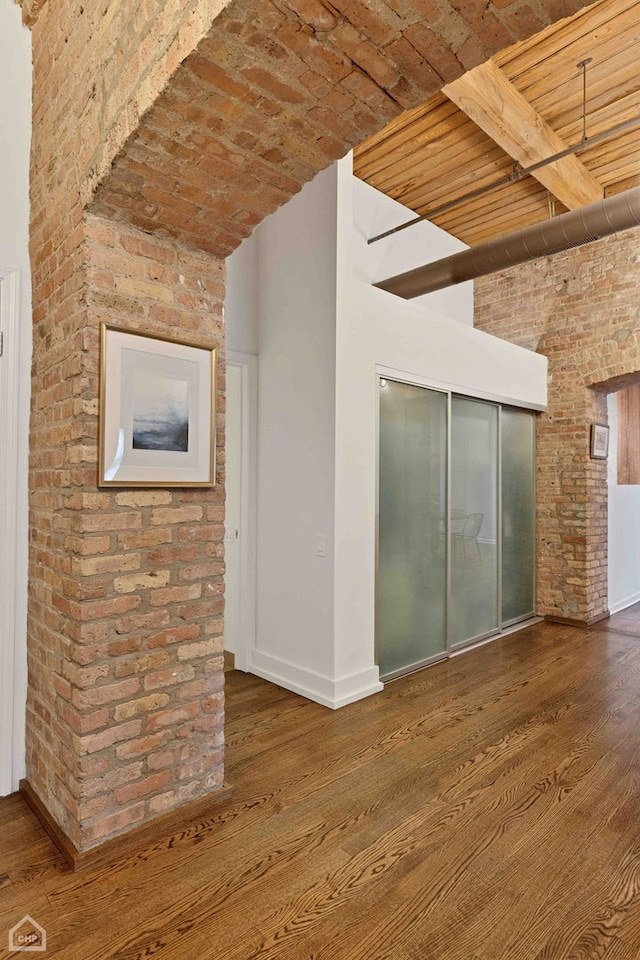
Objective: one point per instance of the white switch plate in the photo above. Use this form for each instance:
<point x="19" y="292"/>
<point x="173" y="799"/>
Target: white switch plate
<point x="321" y="545"/>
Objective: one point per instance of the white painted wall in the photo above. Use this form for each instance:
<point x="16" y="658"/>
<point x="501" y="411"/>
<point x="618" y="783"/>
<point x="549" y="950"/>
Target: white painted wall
<point x="378" y="333"/>
<point x="296" y="439"/>
<point x="423" y="243"/>
<point x="233" y="505"/>
<point x="624" y="526"/>
<point x="241" y="308"/>
<point x="15" y="140"/>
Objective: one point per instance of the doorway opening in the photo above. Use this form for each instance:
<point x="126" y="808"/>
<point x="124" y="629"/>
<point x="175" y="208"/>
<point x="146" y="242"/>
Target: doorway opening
<point x="240" y="510"/>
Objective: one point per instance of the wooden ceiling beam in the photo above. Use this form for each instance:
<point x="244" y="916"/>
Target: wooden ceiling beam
<point x="499" y="109"/>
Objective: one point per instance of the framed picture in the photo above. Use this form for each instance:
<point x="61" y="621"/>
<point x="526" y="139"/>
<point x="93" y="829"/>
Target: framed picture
<point x="157" y="411"/>
<point x="599" y="441"/>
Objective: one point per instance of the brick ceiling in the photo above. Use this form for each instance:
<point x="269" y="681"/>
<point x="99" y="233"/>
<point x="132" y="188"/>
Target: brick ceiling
<point x="279" y="90"/>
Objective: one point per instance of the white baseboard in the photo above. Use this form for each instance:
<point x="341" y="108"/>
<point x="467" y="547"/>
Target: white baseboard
<point x="623" y="604"/>
<point x="314" y="686"/>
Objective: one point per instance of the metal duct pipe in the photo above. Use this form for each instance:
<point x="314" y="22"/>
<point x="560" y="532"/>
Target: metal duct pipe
<point x="572" y="229"/>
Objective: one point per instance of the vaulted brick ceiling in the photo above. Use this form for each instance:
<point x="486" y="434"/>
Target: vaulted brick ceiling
<point x="278" y="90"/>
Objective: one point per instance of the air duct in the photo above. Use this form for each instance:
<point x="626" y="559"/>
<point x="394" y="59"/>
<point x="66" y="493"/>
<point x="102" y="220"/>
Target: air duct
<point x="600" y="219"/>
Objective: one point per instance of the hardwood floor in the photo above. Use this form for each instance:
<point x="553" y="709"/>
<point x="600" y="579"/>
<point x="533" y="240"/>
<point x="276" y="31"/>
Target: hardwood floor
<point x="487" y="808"/>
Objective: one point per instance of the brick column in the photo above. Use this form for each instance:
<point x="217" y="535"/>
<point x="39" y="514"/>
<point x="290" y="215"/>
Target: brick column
<point x="125" y="715"/>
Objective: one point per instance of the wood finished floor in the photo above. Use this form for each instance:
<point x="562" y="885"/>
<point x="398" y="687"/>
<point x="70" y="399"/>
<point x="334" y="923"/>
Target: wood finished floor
<point x="487" y="808"/>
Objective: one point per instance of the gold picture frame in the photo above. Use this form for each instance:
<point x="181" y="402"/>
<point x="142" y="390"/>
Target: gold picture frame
<point x="156" y="411"/>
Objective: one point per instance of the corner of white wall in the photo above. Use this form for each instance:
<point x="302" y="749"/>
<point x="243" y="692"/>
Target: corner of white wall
<point x="296" y="440"/>
<point x="242" y="301"/>
<point x="373" y="214"/>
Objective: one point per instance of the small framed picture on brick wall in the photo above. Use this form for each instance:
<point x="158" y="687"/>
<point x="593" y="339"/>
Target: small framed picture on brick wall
<point x="599" y="441"/>
<point x="157" y="411"/>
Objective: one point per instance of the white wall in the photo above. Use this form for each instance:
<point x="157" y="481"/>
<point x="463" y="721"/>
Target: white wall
<point x="15" y="139"/>
<point x="241" y="308"/>
<point x="624" y="526"/>
<point x="296" y="437"/>
<point x="423" y="243"/>
<point x="378" y="333"/>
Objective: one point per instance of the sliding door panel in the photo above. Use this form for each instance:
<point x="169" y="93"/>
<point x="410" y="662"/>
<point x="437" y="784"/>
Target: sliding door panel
<point x="474" y="610"/>
<point x="411" y="584"/>
<point x="518" y="522"/>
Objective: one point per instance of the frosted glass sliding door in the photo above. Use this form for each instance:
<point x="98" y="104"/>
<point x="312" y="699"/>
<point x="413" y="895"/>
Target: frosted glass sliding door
<point x="518" y="522"/>
<point x="411" y="588"/>
<point x="475" y="559"/>
<point x="456" y="523"/>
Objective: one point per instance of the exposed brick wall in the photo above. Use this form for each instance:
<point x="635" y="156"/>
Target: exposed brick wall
<point x="580" y="309"/>
<point x="129" y="583"/>
<point x="97" y="69"/>
<point x="279" y="89"/>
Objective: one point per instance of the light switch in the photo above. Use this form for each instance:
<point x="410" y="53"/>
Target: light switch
<point x="321" y="545"/>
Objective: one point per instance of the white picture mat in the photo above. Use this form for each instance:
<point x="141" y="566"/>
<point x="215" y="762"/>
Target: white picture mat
<point x="124" y="355"/>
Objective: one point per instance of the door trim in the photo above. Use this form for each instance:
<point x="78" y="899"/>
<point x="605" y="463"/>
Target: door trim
<point x="13" y="536"/>
<point x="248" y="365"/>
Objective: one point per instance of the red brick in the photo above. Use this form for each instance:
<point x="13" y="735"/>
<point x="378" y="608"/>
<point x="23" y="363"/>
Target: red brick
<point x="114" y="823"/>
<point x="202" y="571"/>
<point x="92" y="523"/>
<point x="169" y="677"/>
<point x="134" y="708"/>
<point x="145" y="538"/>
<point x="202" y="648"/>
<point x="162" y="597"/>
<point x="179" y="634"/>
<point x="142" y="746"/>
<point x="141" y="664"/>
<point x="316" y="14"/>
<point x="115" y="734"/>
<point x="91" y="566"/>
<point x="171" y="515"/>
<point x="142" y="621"/>
<point x="266" y="81"/>
<point x="435" y="51"/>
<point x="172" y="716"/>
<point x="168" y="555"/>
<point x="195" y="768"/>
<point x="194" y="689"/>
<point x="107" y="693"/>
<point x="141" y="581"/>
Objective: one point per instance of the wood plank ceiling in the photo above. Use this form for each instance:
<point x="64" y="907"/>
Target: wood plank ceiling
<point x="524" y="104"/>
